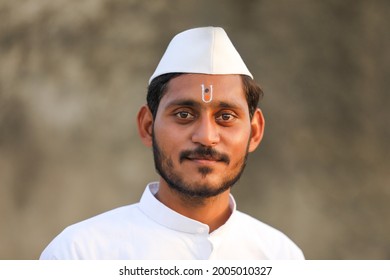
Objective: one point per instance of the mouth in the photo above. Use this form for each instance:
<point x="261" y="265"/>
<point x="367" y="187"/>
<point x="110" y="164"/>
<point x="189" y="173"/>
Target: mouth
<point x="202" y="158"/>
<point x="205" y="156"/>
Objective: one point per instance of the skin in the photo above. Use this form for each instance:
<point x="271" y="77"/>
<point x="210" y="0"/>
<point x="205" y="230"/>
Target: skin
<point x="183" y="123"/>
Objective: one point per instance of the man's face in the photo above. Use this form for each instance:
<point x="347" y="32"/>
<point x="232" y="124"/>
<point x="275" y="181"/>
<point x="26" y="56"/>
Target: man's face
<point x="201" y="134"/>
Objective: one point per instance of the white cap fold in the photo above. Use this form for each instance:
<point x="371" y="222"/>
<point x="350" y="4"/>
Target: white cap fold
<point x="204" y="50"/>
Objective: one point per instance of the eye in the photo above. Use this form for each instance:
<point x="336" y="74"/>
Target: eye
<point x="184" y="115"/>
<point x="226" y="117"/>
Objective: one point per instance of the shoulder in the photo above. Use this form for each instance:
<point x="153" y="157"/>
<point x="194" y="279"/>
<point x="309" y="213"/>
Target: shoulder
<point x="78" y="240"/>
<point x="274" y="243"/>
<point x="106" y="221"/>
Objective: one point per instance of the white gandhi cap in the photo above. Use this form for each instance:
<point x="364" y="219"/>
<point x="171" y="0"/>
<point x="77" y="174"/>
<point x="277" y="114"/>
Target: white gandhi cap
<point x="204" y="50"/>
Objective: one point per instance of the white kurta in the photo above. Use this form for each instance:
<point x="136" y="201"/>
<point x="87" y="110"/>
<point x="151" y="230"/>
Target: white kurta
<point x="150" y="230"/>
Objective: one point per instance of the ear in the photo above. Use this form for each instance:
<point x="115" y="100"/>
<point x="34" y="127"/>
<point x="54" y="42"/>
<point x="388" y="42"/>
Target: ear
<point x="257" y="126"/>
<point x="145" y="125"/>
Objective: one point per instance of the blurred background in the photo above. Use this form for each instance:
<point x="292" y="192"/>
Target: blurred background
<point x="74" y="73"/>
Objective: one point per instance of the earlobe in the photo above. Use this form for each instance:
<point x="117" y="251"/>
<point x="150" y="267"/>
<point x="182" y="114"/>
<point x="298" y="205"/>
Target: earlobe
<point x="257" y="126"/>
<point x="145" y="125"/>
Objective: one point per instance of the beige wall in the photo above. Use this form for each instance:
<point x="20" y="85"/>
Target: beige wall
<point x="73" y="74"/>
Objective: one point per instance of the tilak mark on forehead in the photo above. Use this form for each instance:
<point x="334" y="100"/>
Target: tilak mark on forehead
<point x="207" y="93"/>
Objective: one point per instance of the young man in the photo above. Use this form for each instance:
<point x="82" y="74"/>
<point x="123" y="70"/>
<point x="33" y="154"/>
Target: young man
<point x="202" y="120"/>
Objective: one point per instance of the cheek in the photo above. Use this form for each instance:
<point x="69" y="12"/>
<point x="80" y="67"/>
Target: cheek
<point x="237" y="139"/>
<point x="168" y="131"/>
<point x="169" y="140"/>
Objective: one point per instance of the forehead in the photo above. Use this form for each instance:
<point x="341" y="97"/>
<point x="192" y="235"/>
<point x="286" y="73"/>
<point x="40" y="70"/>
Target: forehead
<point x="225" y="88"/>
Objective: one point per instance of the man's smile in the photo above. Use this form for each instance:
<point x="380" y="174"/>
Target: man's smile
<point x="204" y="155"/>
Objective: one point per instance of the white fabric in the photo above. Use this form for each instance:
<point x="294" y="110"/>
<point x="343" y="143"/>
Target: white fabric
<point x="205" y="50"/>
<point x="150" y="230"/>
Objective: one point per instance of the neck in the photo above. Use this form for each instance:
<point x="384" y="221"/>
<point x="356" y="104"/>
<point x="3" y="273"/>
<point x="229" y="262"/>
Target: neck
<point x="213" y="211"/>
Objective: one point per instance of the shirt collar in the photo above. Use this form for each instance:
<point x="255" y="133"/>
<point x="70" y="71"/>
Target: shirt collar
<point x="165" y="216"/>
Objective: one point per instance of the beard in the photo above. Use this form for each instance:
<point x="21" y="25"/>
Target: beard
<point x="197" y="191"/>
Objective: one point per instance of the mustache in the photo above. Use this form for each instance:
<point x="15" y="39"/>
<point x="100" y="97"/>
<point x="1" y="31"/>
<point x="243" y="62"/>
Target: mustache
<point x="202" y="152"/>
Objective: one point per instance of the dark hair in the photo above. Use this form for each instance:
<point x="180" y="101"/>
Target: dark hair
<point x="159" y="85"/>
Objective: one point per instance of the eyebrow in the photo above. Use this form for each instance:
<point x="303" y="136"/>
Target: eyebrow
<point x="197" y="104"/>
<point x="228" y="105"/>
<point x="183" y="102"/>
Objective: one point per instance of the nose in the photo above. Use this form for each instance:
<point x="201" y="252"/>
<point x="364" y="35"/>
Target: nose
<point x="206" y="132"/>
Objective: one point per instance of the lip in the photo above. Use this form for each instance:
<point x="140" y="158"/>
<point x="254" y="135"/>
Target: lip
<point x="204" y="155"/>
<point x="203" y="161"/>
